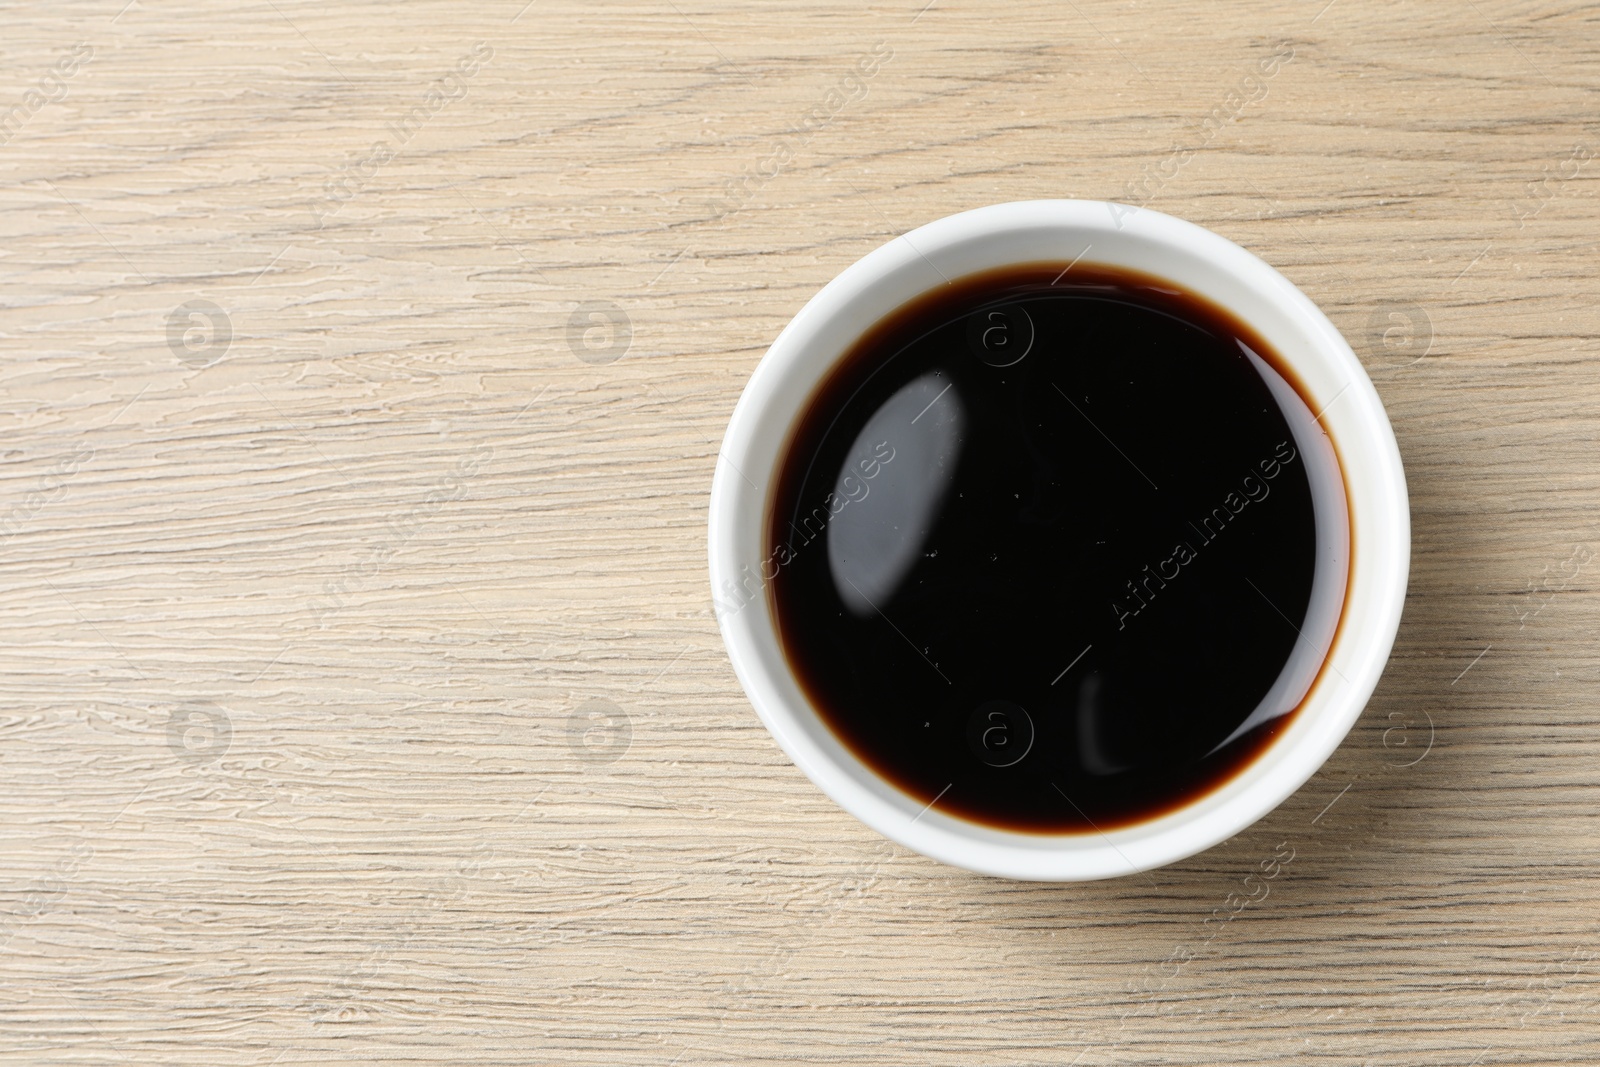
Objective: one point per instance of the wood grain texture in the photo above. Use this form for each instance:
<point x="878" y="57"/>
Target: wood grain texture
<point x="363" y="700"/>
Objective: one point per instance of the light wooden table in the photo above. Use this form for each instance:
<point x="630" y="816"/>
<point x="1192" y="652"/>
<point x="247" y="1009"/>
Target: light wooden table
<point x="364" y="369"/>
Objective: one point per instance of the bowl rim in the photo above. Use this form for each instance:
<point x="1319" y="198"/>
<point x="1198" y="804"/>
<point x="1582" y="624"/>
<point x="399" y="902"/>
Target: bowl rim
<point x="925" y="258"/>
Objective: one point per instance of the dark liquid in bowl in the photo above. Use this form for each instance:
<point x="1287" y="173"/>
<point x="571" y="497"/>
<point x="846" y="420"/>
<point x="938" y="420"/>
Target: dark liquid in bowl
<point x="1043" y="542"/>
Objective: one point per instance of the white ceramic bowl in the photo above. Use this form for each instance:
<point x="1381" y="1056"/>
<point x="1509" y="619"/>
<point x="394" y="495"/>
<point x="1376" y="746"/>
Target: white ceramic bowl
<point x="1115" y="235"/>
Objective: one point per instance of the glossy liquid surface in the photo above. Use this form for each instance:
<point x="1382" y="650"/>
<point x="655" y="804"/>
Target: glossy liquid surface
<point x="1044" y="544"/>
